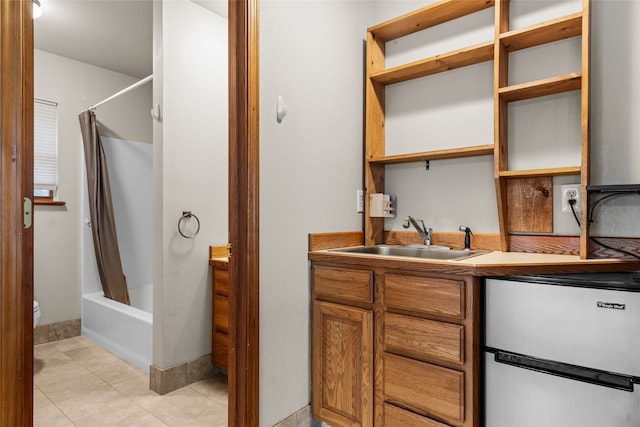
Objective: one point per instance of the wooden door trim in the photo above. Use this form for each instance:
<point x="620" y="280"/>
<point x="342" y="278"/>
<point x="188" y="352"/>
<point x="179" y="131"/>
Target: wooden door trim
<point x="244" y="275"/>
<point x="16" y="182"/>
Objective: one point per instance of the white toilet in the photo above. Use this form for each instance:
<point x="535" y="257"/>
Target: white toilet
<point x="36" y="313"/>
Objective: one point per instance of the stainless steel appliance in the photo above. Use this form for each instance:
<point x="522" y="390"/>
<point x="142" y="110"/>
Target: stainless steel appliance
<point x="562" y="351"/>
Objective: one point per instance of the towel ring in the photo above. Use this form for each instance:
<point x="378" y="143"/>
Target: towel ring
<point x="187" y="215"/>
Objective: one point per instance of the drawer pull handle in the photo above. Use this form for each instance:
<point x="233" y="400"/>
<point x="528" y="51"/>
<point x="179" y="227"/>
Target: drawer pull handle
<point x="566" y="370"/>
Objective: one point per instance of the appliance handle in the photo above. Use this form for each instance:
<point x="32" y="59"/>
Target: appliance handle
<point x="565" y="370"/>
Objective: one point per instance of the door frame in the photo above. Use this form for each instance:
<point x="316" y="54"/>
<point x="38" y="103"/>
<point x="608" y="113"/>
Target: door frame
<point x="16" y="182"/>
<point x="16" y="241"/>
<point x="244" y="180"/>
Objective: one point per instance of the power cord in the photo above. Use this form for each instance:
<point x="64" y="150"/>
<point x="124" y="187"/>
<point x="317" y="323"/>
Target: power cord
<point x="572" y="203"/>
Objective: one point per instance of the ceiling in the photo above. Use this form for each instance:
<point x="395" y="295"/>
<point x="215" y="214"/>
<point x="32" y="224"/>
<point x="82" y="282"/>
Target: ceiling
<point x="112" y="34"/>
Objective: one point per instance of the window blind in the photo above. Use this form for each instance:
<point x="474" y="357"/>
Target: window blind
<point x="45" y="145"/>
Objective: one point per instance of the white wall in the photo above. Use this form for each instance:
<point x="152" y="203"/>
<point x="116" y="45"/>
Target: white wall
<point x="57" y="239"/>
<point x="615" y="109"/>
<point x="311" y="54"/>
<point x="190" y="174"/>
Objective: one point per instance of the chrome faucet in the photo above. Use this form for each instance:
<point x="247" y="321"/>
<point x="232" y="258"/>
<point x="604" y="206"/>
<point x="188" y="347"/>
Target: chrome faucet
<point x="424" y="232"/>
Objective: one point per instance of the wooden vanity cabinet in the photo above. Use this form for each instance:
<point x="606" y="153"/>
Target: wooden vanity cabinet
<point x="342" y="346"/>
<point x="404" y="352"/>
<point x="220" y="314"/>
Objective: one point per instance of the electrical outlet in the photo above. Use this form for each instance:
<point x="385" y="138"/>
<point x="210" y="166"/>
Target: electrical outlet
<point x="359" y="201"/>
<point x="570" y="191"/>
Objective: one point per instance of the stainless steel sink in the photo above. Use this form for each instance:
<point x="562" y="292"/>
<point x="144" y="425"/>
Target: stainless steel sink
<point x="414" y="252"/>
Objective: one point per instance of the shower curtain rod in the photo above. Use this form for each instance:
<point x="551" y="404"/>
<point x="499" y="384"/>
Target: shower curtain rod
<point x="123" y="91"/>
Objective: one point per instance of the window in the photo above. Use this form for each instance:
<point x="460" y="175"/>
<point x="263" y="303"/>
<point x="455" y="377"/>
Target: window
<point x="45" y="151"/>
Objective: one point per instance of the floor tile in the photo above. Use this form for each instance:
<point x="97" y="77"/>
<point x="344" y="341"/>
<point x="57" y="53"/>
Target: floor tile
<point x="52" y="370"/>
<point x="77" y="383"/>
<point x="200" y="412"/>
<point x="118" y="372"/>
<point x="93" y="358"/>
<point x="49" y="351"/>
<point x="74" y="343"/>
<point x="50" y="416"/>
<point x="74" y="387"/>
<point x="136" y="388"/>
<point x="215" y="388"/>
<point x="161" y="406"/>
<point x="40" y="400"/>
<point x="91" y="403"/>
<point x="124" y="413"/>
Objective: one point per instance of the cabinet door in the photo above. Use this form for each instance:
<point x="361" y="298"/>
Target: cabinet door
<point x="342" y="364"/>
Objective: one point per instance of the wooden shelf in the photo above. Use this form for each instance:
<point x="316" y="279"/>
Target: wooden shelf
<point x="429" y="16"/>
<point x="436" y="64"/>
<point x="531" y="173"/>
<point x="545" y="32"/>
<point x="450" y="153"/>
<point x="544" y="87"/>
<point x="497" y="50"/>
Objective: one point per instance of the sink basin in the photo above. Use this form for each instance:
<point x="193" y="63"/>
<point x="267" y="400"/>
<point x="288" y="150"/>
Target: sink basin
<point x="424" y="252"/>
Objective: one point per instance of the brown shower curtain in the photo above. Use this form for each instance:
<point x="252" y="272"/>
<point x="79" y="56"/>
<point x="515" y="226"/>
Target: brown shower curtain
<point x="103" y="224"/>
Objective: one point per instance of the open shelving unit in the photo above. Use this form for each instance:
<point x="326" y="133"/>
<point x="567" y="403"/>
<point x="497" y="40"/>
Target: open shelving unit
<point x="505" y="41"/>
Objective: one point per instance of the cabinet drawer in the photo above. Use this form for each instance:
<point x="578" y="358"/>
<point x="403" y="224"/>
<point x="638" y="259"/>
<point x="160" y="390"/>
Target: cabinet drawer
<point x="397" y="417"/>
<point x="343" y="283"/>
<point x="221" y="313"/>
<point x="428" y="295"/>
<point x="220" y="354"/>
<point x="423" y="339"/>
<point x="429" y="388"/>
<point x="221" y="281"/>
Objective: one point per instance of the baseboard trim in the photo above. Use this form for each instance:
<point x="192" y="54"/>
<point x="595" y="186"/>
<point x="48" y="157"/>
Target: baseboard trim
<point x="300" y="418"/>
<point x="56" y="331"/>
<point x="166" y="380"/>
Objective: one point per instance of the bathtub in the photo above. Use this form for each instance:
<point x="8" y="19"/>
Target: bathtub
<point x="125" y="331"/>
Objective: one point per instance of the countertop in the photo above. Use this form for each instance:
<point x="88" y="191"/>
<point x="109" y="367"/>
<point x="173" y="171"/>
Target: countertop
<point x="491" y="264"/>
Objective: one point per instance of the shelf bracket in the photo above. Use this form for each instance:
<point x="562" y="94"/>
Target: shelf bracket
<point x="426" y="165"/>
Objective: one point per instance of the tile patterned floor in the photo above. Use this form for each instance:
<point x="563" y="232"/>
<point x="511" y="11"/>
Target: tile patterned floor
<point x="77" y="383"/>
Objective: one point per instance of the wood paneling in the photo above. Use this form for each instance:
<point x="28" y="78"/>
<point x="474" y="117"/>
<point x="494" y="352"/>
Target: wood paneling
<point x="530" y="204"/>
<point x="16" y="243"/>
<point x="427" y="295"/>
